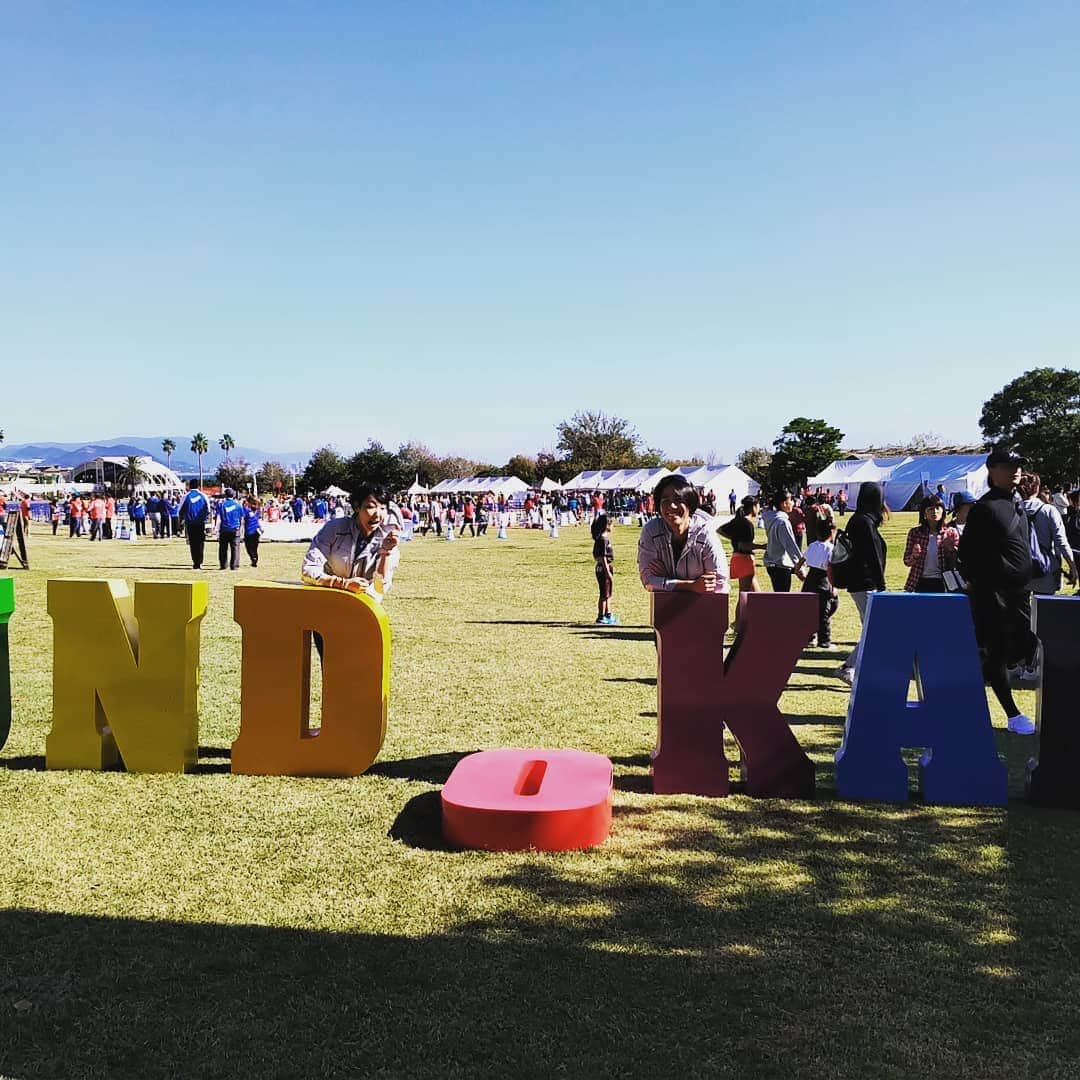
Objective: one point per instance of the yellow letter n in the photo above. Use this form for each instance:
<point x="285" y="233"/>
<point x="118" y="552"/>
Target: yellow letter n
<point x="125" y="674"/>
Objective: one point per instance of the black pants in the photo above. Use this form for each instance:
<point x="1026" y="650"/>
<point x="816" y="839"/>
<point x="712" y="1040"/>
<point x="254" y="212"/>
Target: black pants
<point x="106" y="529"/>
<point x="481" y="528"/>
<point x="780" y="576"/>
<point x="930" y="585"/>
<point x="196" y="538"/>
<point x="228" y="549"/>
<point x="1003" y="630"/>
<point x="140" y="526"/>
<point x="817" y="581"/>
<point x="467" y="524"/>
<point x="95" y="529"/>
<point x="251" y="543"/>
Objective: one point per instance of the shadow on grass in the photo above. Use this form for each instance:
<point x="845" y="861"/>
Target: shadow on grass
<point x="27" y="763"/>
<point x="431" y="768"/>
<point x="643" y="682"/>
<point x="419" y="825"/>
<point x="727" y="939"/>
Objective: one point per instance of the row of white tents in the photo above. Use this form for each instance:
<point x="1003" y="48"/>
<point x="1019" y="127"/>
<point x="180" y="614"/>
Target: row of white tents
<point x="904" y="478"/>
<point x="720" y="479"/>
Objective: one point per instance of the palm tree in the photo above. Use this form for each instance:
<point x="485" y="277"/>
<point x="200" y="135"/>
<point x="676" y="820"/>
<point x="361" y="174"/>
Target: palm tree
<point x="199" y="446"/>
<point x="167" y="448"/>
<point x="226" y="442"/>
<point x="131" y="474"/>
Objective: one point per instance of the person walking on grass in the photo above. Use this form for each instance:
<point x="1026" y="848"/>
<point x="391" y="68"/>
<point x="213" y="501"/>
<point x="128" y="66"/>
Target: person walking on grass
<point x="252" y="528"/>
<point x="193" y="514"/>
<point x="995" y="559"/>
<point x="864" y="572"/>
<point x="604" y="558"/>
<point x="819" y="572"/>
<point x="783" y="556"/>
<point x="230" y="516"/>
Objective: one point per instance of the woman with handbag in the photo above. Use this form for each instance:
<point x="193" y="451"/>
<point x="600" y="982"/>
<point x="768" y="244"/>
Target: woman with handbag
<point x="741" y="531"/>
<point x="931" y="548"/>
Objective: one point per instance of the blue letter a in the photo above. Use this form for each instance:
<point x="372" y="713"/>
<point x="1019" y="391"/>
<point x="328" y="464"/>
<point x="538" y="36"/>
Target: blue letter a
<point x="934" y="636"/>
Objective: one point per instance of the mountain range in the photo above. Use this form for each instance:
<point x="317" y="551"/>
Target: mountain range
<point x="68" y="454"/>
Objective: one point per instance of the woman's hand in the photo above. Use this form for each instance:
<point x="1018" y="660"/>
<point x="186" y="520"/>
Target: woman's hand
<point x="704" y="584"/>
<point x="390" y="541"/>
<point x="357" y="585"/>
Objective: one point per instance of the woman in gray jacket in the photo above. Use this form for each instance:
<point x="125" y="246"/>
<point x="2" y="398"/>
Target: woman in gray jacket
<point x="680" y="551"/>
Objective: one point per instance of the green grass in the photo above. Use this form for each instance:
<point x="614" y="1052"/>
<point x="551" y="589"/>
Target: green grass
<point x="212" y="925"/>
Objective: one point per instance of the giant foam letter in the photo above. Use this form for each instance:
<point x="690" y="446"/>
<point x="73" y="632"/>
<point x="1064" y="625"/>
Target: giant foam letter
<point x="697" y="693"/>
<point x="933" y="636"/>
<point x="276" y="737"/>
<point x="125" y="674"/>
<point x="7" y="606"/>
<point x="1054" y="772"/>
<point x="517" y="800"/>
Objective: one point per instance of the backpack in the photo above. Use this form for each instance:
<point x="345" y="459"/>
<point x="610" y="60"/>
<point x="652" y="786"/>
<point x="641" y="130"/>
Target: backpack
<point x="842" y="560"/>
<point x="1040" y="559"/>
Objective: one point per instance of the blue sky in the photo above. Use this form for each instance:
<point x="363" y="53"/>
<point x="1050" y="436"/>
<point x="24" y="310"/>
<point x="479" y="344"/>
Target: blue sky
<point x="462" y="222"/>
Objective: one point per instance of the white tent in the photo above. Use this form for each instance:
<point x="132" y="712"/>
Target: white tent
<point x="721" y="479"/>
<point x="507" y="486"/>
<point x="586" y="480"/>
<point x="416" y="488"/>
<point x="848" y="475"/>
<point x="333" y="489"/>
<point x="547" y="484"/>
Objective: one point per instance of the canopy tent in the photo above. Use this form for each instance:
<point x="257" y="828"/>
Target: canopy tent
<point x="846" y="476"/>
<point x="547" y="484"/>
<point x="921" y="476"/>
<point x="416" y="488"/>
<point x="720" y="480"/>
<point x="333" y="489"/>
<point x="586" y="480"/>
<point x="481" y="485"/>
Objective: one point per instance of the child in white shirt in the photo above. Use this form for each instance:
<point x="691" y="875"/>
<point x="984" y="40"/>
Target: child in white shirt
<point x="818" y="558"/>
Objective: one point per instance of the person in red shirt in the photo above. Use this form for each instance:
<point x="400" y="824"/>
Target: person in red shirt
<point x="24" y="511"/>
<point x="76" y="509"/>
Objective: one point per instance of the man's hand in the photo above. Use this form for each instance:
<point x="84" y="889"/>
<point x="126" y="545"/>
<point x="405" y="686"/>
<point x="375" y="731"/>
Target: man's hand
<point x="390" y="541"/>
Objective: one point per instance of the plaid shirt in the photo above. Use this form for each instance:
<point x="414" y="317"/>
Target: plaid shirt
<point x="948" y="539"/>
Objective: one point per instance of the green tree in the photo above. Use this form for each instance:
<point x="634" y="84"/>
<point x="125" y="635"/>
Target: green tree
<point x="755" y="462"/>
<point x="803" y="448"/>
<point x="1038" y="416"/>
<point x="226" y="442"/>
<point x="419" y="462"/>
<point x="273" y="476"/>
<point x="325" y="469"/>
<point x="167" y="448"/>
<point x="132" y="474"/>
<point x="592" y="440"/>
<point x="559" y="469"/>
<point x="199" y="446"/>
<point x="523" y="467"/>
<point x="234" y="473"/>
<point x="376" y="465"/>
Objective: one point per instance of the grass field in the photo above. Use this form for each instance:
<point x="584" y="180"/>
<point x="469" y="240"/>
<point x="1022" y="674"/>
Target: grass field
<point x="212" y="925"/>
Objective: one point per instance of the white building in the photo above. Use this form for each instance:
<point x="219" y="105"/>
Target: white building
<point x="109" y="472"/>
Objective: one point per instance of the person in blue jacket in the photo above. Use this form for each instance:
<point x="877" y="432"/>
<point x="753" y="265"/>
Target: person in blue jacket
<point x="193" y="514"/>
<point x="252" y="528"/>
<point x="230" y="528"/>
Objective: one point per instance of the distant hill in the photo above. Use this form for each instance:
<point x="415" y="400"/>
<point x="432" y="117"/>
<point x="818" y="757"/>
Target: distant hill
<point x="67" y="454"/>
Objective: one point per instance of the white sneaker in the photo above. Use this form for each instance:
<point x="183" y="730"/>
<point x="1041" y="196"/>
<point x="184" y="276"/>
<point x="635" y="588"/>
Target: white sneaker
<point x="846" y="675"/>
<point x="1021" y="725"/>
<point x="1031" y="674"/>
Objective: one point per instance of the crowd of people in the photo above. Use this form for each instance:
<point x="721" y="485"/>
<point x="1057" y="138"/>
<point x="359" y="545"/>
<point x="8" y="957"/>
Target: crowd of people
<point x="999" y="550"/>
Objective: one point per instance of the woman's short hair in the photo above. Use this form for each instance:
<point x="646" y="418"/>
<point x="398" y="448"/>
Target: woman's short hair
<point x="928" y="502"/>
<point x="680" y="489"/>
<point x="366" y="491"/>
<point x="748" y="503"/>
<point x="1029" y="484"/>
<point x="779" y="498"/>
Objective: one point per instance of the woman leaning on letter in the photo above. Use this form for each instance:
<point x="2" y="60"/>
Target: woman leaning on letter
<point x="357" y="553"/>
<point x="679" y="551"/>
